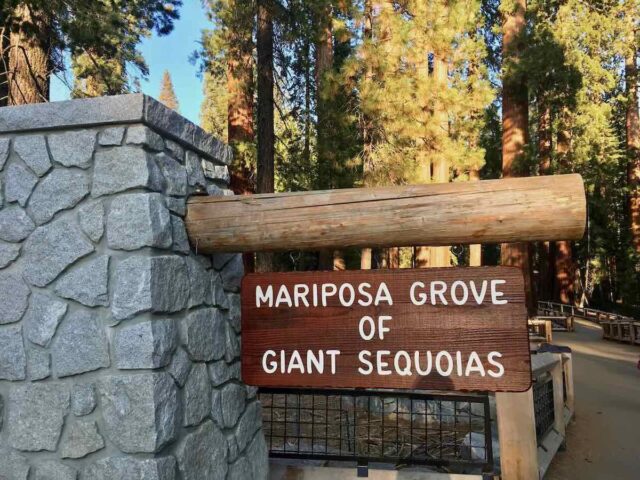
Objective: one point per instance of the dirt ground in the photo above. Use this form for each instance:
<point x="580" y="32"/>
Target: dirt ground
<point x="603" y="441"/>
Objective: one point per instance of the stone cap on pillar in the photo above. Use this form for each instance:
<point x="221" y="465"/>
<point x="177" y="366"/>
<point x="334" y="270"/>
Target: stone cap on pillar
<point x="115" y="110"/>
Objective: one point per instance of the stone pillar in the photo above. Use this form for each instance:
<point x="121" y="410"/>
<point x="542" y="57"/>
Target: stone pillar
<point x="119" y="344"/>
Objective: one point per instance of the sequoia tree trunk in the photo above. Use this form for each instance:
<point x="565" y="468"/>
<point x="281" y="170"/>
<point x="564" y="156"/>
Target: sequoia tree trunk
<point x="475" y="249"/>
<point x="441" y="256"/>
<point x="633" y="149"/>
<point x="546" y="255"/>
<point x="240" y="87"/>
<point x="266" y="135"/>
<point x="4" y="66"/>
<point x="564" y="268"/>
<point x="515" y="117"/>
<point x="29" y="58"/>
<point x="328" y="260"/>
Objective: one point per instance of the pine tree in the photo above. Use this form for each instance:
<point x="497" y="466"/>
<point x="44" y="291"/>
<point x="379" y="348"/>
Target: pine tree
<point x="422" y="90"/>
<point x="97" y="76"/>
<point x="167" y="94"/>
<point x="102" y="38"/>
<point x="266" y="133"/>
<point x="229" y="86"/>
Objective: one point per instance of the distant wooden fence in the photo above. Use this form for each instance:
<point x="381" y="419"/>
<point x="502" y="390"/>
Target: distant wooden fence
<point x="614" y="326"/>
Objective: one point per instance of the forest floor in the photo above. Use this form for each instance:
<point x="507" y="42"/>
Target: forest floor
<point x="603" y="440"/>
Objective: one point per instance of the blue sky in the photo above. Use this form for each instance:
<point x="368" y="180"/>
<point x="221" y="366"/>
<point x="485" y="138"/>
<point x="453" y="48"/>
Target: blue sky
<point x="172" y="53"/>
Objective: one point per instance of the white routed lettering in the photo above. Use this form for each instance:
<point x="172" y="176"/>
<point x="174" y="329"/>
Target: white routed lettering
<point x="419" y="369"/>
<point x="264" y="297"/>
<point x="406" y="370"/>
<point x="383" y="294"/>
<point x="315" y="361"/>
<point x="272" y="366"/>
<point x="363" y="357"/>
<point x="295" y="362"/>
<point x="352" y="294"/>
<point x="498" y="365"/>
<point x="300" y="292"/>
<point x="283" y="297"/>
<point x="474" y="365"/>
<point x="438" y="292"/>
<point x="459" y="284"/>
<point x="444" y="372"/>
<point x="382" y="365"/>
<point x="478" y="296"/>
<point x="459" y="363"/>
<point x="364" y="321"/>
<point x="333" y="354"/>
<point x="328" y="290"/>
<point x="495" y="294"/>
<point x="363" y="290"/>
<point x="421" y="299"/>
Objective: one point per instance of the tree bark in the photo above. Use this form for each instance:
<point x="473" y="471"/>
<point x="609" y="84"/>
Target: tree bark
<point x="29" y="58"/>
<point x="515" y="117"/>
<point x="266" y="135"/>
<point x="323" y="65"/>
<point x="546" y="255"/>
<point x="4" y="67"/>
<point x="633" y="149"/>
<point x="441" y="256"/>
<point x="564" y="269"/>
<point x="240" y="107"/>
<point x="475" y="249"/>
<point x="394" y="257"/>
<point x="531" y="209"/>
<point x="365" y="259"/>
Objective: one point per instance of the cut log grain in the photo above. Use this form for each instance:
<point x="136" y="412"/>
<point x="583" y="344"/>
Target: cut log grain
<point x="492" y="211"/>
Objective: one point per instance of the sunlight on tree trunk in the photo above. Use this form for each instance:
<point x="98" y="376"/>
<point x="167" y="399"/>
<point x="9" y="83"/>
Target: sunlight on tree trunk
<point x="29" y="59"/>
<point x="633" y="149"/>
<point x="514" y="128"/>
<point x="266" y="137"/>
<point x="564" y="269"/>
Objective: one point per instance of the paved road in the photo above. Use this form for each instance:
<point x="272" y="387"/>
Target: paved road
<point x="603" y="441"/>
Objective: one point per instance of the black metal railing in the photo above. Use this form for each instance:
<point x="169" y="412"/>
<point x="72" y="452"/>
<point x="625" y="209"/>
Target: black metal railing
<point x="543" y="405"/>
<point x="450" y="431"/>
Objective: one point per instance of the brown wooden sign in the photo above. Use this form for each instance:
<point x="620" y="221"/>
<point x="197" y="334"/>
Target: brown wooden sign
<point x="462" y="329"/>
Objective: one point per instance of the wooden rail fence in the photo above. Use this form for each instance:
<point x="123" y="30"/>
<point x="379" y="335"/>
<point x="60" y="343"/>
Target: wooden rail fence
<point x="614" y="326"/>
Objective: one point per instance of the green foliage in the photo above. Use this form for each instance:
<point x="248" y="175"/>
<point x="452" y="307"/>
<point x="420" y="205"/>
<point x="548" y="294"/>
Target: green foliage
<point x="167" y="94"/>
<point x="574" y="65"/>
<point x="102" y="37"/>
<point x="412" y="118"/>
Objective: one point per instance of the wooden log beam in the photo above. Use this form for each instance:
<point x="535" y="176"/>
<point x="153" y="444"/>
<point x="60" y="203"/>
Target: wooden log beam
<point x="492" y="211"/>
